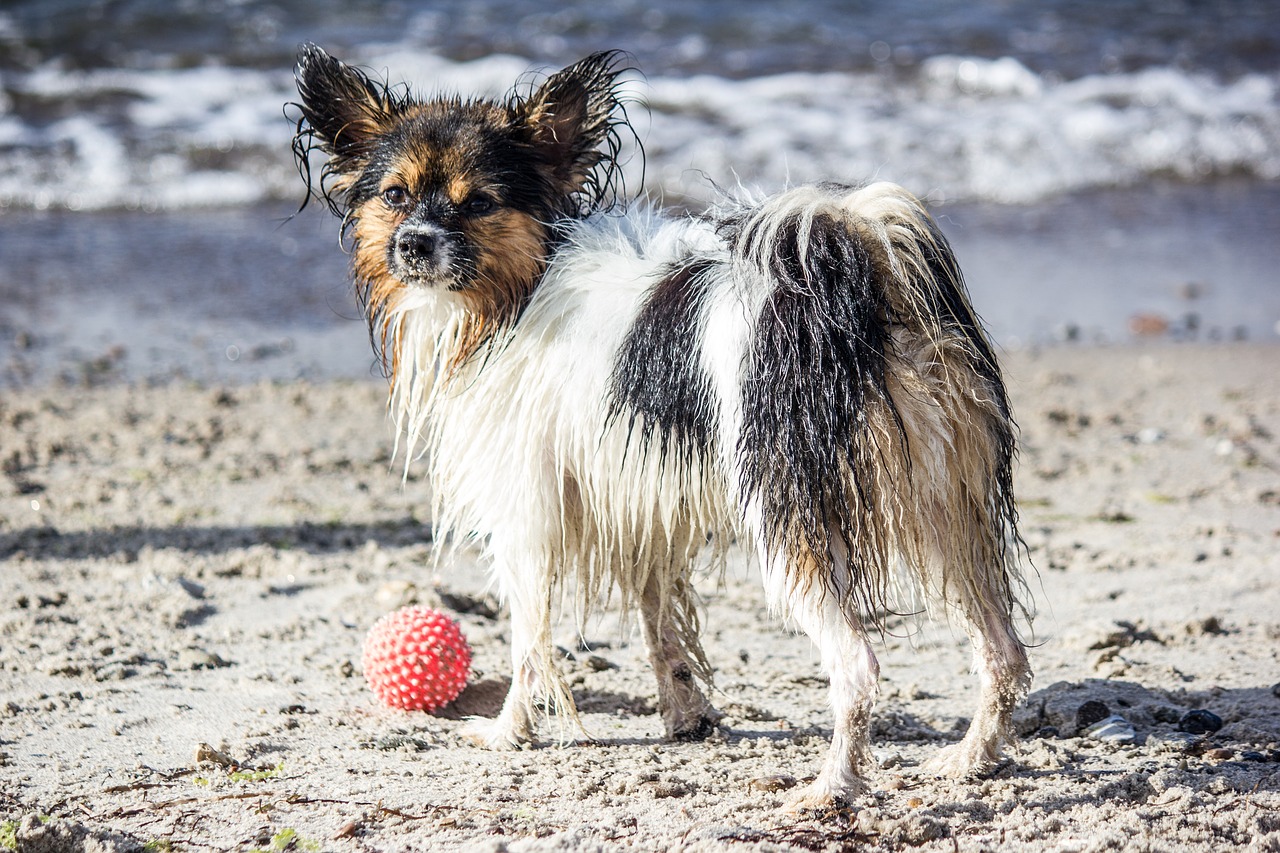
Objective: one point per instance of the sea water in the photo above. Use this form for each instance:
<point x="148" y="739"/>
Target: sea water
<point x="1102" y="167"/>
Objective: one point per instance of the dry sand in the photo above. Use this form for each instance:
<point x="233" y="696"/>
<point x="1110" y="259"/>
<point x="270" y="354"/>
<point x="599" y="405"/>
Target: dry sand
<point x="190" y="565"/>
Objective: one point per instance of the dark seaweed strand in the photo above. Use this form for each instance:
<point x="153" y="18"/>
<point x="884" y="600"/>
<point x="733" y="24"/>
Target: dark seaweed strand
<point x="817" y="369"/>
<point x="658" y="384"/>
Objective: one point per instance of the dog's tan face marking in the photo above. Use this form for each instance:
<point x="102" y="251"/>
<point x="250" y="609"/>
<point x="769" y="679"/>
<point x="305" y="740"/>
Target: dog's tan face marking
<point x="438" y="176"/>
<point x="452" y="195"/>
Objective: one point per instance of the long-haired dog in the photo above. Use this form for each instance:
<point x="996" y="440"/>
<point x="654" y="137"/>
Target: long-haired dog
<point x="602" y="392"/>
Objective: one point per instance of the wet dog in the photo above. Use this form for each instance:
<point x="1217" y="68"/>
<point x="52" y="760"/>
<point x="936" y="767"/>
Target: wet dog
<point x="603" y="391"/>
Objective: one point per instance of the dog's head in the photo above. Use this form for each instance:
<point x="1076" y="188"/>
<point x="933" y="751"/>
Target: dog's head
<point x="458" y="195"/>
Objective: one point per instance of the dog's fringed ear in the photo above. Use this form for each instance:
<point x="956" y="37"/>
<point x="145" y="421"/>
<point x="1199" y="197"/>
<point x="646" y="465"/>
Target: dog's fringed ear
<point x="343" y="113"/>
<point x="573" y="118"/>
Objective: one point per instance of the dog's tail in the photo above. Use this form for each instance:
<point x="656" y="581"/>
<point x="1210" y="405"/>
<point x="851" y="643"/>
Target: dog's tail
<point x="875" y="427"/>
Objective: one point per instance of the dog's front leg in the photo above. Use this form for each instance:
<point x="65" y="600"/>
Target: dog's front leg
<point x="514" y="724"/>
<point x="525" y="585"/>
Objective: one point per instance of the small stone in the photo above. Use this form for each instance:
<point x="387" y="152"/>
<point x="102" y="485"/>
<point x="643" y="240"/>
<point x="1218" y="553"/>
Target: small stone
<point x="1171" y="741"/>
<point x="1252" y="755"/>
<point x="1113" y="729"/>
<point x="1211" y="625"/>
<point x="670" y="788"/>
<point x="1221" y="754"/>
<point x="1148" y="325"/>
<point x="208" y="754"/>
<point x="1091" y="712"/>
<point x="920" y="829"/>
<point x="1047" y="732"/>
<point x="193" y="658"/>
<point x="1275" y="690"/>
<point x="1200" y="722"/>
<point x="599" y="664"/>
<point x="772" y="783"/>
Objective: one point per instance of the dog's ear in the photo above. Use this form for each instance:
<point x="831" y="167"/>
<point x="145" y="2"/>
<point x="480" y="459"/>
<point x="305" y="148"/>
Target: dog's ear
<point x="345" y="109"/>
<point x="572" y="115"/>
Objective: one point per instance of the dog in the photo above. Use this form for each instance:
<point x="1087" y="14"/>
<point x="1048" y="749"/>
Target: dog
<point x="602" y="392"/>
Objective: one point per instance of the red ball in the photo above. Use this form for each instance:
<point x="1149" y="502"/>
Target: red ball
<point x="416" y="659"/>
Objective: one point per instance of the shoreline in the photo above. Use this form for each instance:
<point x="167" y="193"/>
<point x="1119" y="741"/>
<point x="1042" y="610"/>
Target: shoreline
<point x="202" y="560"/>
<point x="271" y="299"/>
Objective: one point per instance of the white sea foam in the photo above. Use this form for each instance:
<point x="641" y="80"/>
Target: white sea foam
<point x="959" y="128"/>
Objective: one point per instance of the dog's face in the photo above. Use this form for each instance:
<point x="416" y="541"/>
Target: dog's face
<point x="457" y="195"/>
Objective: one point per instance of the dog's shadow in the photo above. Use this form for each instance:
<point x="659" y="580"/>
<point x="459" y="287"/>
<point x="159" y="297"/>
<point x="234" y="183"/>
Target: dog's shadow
<point x="484" y="699"/>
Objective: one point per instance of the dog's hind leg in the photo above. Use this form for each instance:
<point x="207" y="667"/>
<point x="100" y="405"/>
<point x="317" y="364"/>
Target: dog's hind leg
<point x="854" y="672"/>
<point x="972" y="541"/>
<point x="1000" y="659"/>
<point x="671" y="635"/>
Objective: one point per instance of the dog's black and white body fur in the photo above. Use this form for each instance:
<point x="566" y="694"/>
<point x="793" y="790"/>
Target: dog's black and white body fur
<point x="597" y="393"/>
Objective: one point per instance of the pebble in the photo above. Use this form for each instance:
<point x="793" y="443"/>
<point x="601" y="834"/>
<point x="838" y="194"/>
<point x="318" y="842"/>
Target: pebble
<point x="1252" y="755"/>
<point x="598" y="663"/>
<point x="1113" y="729"/>
<point x="1200" y="722"/>
<point x="208" y="754"/>
<point x="193" y="658"/>
<point x="1172" y="741"/>
<point x="395" y="594"/>
<point x="1150" y="435"/>
<point x="1148" y="325"/>
<point x="1091" y="712"/>
<point x="772" y="783"/>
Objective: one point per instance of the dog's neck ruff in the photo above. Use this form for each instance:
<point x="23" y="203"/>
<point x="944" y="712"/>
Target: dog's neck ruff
<point x="603" y="262"/>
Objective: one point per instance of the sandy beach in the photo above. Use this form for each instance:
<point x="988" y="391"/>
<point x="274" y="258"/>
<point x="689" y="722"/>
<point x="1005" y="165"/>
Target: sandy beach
<point x="187" y="572"/>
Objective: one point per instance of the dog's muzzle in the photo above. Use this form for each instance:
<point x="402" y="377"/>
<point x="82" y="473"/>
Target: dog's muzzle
<point x="421" y="254"/>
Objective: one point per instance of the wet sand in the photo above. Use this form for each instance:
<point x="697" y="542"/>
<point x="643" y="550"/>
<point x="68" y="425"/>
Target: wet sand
<point x="190" y="564"/>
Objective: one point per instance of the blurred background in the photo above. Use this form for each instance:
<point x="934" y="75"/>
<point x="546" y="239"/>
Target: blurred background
<point x="1107" y="170"/>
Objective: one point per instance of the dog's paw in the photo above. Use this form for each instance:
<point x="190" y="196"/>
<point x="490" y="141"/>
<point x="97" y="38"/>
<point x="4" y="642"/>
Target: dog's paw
<point x="495" y="734"/>
<point x="695" y="725"/>
<point x="964" y="760"/>
<point x="697" y="729"/>
<point x="823" y="794"/>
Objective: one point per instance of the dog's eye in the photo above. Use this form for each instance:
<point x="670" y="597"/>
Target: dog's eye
<point x="479" y="205"/>
<point x="395" y="196"/>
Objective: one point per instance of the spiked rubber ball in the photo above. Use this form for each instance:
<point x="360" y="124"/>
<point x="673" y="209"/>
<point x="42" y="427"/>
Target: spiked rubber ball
<point x="416" y="659"/>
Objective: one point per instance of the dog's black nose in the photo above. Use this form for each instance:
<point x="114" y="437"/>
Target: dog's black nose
<point x="418" y="247"/>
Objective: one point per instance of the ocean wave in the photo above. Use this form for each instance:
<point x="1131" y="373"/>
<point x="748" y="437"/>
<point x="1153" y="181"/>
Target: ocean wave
<point x="952" y="128"/>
